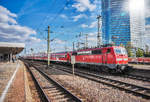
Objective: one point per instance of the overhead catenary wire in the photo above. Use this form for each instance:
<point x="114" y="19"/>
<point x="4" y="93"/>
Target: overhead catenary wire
<point x="45" y="19"/>
<point x="60" y="11"/>
<point x="47" y="16"/>
<point x="53" y="19"/>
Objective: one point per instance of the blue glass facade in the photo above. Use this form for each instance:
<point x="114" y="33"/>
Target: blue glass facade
<point x="115" y="22"/>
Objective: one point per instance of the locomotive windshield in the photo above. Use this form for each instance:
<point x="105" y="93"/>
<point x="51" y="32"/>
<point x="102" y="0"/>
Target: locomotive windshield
<point x="120" y="51"/>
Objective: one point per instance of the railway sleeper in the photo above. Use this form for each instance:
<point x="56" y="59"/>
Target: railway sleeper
<point x="59" y="97"/>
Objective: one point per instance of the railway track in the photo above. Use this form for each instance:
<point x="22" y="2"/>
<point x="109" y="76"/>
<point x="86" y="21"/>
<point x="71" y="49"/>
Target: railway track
<point x="49" y="89"/>
<point x="131" y="88"/>
<point x="137" y="77"/>
<point x="131" y="76"/>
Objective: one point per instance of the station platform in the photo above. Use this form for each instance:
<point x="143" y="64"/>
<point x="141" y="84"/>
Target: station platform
<point x="14" y="86"/>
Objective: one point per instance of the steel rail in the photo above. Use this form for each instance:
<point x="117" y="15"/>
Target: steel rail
<point x="137" y="77"/>
<point x="75" y="98"/>
<point x="43" y="96"/>
<point x="134" y="89"/>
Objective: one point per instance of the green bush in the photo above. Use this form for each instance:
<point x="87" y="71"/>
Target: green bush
<point x="139" y="53"/>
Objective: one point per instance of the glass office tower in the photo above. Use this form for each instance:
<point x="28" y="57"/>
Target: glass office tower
<point x="119" y="24"/>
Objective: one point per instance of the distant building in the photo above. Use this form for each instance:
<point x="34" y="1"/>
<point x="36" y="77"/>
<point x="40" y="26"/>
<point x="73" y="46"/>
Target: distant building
<point x="121" y="24"/>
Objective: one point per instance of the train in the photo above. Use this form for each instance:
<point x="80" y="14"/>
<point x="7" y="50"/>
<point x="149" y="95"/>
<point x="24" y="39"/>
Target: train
<point x="139" y="60"/>
<point x="113" y="59"/>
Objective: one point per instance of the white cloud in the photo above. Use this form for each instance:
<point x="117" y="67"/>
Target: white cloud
<point x="58" y="41"/>
<point x="66" y="8"/>
<point x="147" y="31"/>
<point x="63" y="16"/>
<point x="33" y="39"/>
<point x="84" y="25"/>
<point x="93" y="24"/>
<point x="11" y="31"/>
<point x="76" y="18"/>
<point x="92" y="34"/>
<point x="83" y="5"/>
<point x="59" y="45"/>
<point x="92" y="39"/>
<point x="26" y="7"/>
<point x="4" y="10"/>
<point x="147" y="8"/>
<point x="146" y="37"/>
<point x="7" y="16"/>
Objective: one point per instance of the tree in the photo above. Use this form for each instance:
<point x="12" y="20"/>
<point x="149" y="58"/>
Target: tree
<point x="130" y="54"/>
<point x="129" y="49"/>
<point x="139" y="53"/>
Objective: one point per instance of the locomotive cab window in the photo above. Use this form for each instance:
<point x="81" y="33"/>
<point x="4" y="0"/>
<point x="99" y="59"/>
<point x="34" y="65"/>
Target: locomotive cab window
<point x="97" y="52"/>
<point x="108" y="50"/>
<point x="74" y="53"/>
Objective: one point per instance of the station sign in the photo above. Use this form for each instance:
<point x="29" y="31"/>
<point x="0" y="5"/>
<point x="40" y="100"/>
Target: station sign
<point x="73" y="60"/>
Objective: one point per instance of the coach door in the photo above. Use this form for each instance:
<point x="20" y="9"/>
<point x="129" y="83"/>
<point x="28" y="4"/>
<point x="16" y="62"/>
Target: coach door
<point x="105" y="56"/>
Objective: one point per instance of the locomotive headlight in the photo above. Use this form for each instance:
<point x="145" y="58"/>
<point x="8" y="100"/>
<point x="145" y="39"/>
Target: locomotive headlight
<point x="119" y="59"/>
<point x="125" y="59"/>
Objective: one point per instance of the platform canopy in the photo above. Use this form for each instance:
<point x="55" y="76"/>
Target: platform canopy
<point x="14" y="48"/>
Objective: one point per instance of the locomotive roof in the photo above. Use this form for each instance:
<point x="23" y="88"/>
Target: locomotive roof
<point x="96" y="48"/>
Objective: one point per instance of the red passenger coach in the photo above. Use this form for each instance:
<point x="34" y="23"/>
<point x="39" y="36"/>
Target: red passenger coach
<point x="60" y="57"/>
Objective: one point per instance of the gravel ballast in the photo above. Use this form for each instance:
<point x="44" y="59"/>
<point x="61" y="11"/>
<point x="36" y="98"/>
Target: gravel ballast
<point x="94" y="92"/>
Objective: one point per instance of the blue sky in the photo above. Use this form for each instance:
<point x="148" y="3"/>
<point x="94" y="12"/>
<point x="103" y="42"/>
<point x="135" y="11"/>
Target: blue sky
<point x="67" y="18"/>
<point x="27" y="20"/>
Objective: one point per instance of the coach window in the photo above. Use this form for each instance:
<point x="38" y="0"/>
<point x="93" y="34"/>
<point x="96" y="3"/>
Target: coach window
<point x="74" y="53"/>
<point x="96" y="52"/>
<point x="108" y="50"/>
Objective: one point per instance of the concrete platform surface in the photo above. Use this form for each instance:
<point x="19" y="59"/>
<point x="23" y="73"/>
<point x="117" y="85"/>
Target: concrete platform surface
<point x="14" y="83"/>
<point x="6" y="71"/>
